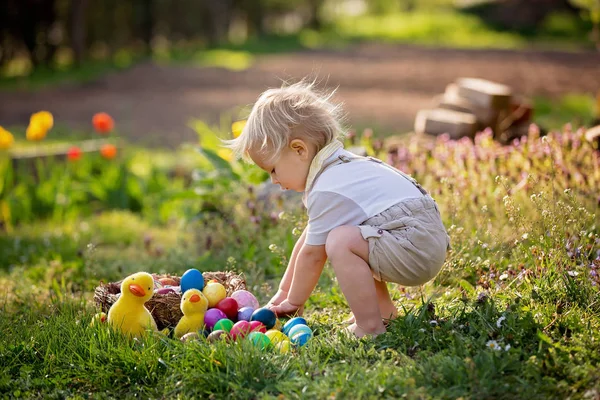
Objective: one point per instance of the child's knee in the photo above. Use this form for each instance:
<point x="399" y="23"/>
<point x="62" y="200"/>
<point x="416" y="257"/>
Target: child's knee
<point x="343" y="240"/>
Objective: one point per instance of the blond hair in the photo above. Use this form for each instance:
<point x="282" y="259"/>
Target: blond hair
<point x="294" y="111"/>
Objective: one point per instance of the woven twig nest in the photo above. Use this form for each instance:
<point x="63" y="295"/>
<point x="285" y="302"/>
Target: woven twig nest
<point x="165" y="307"/>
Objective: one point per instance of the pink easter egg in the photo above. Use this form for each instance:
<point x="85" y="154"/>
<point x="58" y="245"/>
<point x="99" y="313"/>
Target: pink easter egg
<point x="212" y="316"/>
<point x="245" y="299"/>
<point x="240" y="329"/>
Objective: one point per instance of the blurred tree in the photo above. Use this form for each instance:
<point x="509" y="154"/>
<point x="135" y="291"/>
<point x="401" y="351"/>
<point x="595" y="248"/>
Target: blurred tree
<point x="146" y="11"/>
<point x="592" y="7"/>
<point x="78" y="29"/>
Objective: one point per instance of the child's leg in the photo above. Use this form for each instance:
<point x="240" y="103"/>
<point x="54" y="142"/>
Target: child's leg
<point x="387" y="309"/>
<point x="386" y="305"/>
<point x="348" y="253"/>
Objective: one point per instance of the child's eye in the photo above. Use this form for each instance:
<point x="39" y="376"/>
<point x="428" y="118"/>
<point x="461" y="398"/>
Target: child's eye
<point x="273" y="171"/>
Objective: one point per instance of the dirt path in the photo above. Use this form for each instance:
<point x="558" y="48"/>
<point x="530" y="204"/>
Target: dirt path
<point x="381" y="85"/>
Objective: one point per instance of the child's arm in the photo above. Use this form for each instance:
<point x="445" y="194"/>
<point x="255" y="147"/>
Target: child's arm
<point x="286" y="281"/>
<point x="307" y="270"/>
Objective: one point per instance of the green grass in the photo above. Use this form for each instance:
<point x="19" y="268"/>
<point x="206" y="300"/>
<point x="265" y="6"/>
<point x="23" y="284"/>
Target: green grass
<point x="513" y="314"/>
<point x="575" y="108"/>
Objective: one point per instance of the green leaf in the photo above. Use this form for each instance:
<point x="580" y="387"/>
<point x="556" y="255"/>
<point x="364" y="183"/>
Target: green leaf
<point x="467" y="286"/>
<point x="220" y="164"/>
<point x="207" y="137"/>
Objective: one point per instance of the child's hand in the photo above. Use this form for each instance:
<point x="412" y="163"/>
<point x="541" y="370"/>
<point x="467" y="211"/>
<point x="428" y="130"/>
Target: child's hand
<point x="285" y="309"/>
<point x="278" y="298"/>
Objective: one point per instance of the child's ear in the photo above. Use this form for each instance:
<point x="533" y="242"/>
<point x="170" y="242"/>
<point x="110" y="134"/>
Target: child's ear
<point x="299" y="147"/>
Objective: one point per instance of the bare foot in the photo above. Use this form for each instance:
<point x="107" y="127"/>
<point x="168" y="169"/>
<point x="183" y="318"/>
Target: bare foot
<point x="386" y="320"/>
<point x="360" y="332"/>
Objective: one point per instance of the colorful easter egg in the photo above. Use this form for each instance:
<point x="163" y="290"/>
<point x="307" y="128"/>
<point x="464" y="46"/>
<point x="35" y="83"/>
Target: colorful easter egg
<point x="257" y="326"/>
<point x="169" y="282"/>
<point x="212" y="316"/>
<point x="190" y="337"/>
<point x="230" y="307"/>
<point x="240" y="329"/>
<point x="216" y="336"/>
<point x="192" y="279"/>
<point x="266" y="316"/>
<point x="293" y="322"/>
<point x="259" y="339"/>
<point x="300" y="334"/>
<point x="214" y="292"/>
<point x="245" y="313"/>
<point x="223" y="325"/>
<point x="245" y="299"/>
<point x="299" y="328"/>
<point x="284" y="346"/>
<point x="275" y="336"/>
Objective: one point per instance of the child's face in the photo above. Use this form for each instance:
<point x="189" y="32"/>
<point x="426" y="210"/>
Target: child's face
<point x="291" y="169"/>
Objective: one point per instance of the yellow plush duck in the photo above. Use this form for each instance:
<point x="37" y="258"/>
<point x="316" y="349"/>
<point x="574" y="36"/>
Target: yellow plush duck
<point x="193" y="306"/>
<point x="128" y="313"/>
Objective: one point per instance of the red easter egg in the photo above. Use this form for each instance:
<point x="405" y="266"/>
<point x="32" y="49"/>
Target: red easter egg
<point x="239" y="330"/>
<point x="229" y="306"/>
<point x="257" y="326"/>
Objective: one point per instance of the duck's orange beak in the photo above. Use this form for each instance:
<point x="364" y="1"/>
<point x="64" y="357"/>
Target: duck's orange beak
<point x="137" y="290"/>
<point x="195" y="298"/>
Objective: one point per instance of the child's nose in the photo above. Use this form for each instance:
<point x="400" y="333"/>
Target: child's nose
<point x="274" y="180"/>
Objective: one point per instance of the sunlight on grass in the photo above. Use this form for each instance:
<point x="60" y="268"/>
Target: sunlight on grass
<point x="228" y="59"/>
<point x="431" y="28"/>
<point x="578" y="109"/>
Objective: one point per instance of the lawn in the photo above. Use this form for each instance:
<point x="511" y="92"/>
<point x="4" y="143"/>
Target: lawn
<point x="515" y="312"/>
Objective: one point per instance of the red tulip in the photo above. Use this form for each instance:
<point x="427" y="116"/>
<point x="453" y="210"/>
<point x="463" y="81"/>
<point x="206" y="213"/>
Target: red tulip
<point x="74" y="153"/>
<point x="108" y="151"/>
<point x="103" y="123"/>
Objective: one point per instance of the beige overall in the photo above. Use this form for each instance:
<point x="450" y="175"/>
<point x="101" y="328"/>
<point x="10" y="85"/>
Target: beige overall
<point x="408" y="241"/>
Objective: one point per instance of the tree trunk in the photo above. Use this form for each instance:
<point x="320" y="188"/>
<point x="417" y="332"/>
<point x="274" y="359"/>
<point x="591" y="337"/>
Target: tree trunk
<point x="315" y="19"/>
<point x="78" y="29"/>
<point x="148" y="19"/>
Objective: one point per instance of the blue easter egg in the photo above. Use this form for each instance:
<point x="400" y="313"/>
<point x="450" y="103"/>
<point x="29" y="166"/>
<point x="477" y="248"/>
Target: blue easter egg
<point x="301" y="339"/>
<point x="300" y="334"/>
<point x="291" y="323"/>
<point x="245" y="313"/>
<point x="192" y="279"/>
<point x="266" y="316"/>
<point x="298" y="329"/>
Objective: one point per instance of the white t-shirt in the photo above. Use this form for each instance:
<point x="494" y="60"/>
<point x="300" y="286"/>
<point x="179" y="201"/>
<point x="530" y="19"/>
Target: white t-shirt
<point x="350" y="193"/>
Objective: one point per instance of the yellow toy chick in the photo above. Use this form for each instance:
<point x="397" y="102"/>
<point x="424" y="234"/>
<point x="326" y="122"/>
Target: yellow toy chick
<point x="128" y="313"/>
<point x="193" y="306"/>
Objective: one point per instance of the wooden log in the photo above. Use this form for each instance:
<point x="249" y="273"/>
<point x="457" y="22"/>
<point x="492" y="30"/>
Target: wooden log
<point x="452" y="100"/>
<point x="484" y="93"/>
<point x="593" y="135"/>
<point x="438" y="121"/>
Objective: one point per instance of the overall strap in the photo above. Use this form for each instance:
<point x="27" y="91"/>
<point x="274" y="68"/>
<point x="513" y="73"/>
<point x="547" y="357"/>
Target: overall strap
<point x="342" y="159"/>
<point x="346" y="159"/>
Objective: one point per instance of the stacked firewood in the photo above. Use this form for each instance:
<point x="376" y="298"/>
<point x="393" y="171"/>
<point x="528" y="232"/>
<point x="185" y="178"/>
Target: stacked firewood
<point x="470" y="105"/>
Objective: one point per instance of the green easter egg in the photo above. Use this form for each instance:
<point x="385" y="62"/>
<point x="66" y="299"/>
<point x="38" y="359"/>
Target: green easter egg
<point x="224" y="325"/>
<point x="259" y="339"/>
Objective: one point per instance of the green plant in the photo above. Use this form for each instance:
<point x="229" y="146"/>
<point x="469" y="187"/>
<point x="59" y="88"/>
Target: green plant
<point x="592" y="8"/>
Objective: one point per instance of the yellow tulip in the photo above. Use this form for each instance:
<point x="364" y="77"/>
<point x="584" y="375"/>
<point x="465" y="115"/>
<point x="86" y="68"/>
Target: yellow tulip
<point x="237" y="128"/>
<point x="225" y="154"/>
<point x="36" y="132"/>
<point x="42" y="118"/>
<point x="6" y="139"/>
